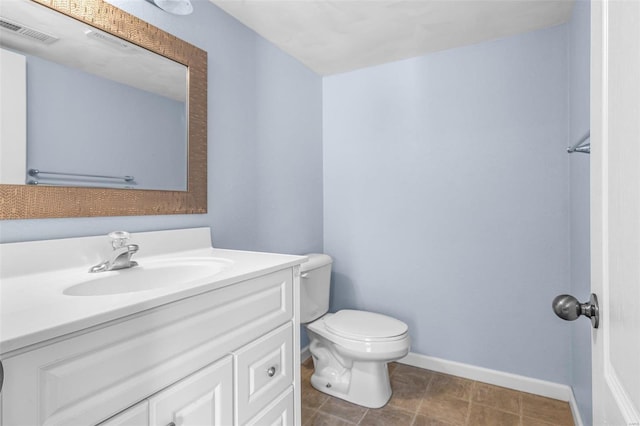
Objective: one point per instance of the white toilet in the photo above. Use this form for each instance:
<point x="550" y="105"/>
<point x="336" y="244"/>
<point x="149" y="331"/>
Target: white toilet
<point x="350" y="349"/>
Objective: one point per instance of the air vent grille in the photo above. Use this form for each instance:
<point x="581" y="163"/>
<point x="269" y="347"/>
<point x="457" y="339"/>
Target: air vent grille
<point x="112" y="40"/>
<point x="8" y="25"/>
<point x="25" y="31"/>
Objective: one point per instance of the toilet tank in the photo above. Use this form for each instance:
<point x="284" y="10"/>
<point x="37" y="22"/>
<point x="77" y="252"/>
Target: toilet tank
<point x="315" y="281"/>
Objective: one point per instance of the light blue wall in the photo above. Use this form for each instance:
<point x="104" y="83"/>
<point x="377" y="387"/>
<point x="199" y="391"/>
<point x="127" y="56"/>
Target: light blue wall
<point x="289" y="166"/>
<point x="579" y="63"/>
<point x="446" y="199"/>
<point x="263" y="120"/>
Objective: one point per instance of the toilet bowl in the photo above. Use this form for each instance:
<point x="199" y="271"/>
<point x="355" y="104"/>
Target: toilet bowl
<point x="350" y="348"/>
<point x="353" y="367"/>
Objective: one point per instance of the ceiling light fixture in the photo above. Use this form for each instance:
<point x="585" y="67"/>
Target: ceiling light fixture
<point x="175" y="7"/>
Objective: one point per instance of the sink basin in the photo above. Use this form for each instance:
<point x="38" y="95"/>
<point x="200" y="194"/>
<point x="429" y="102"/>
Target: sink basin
<point x="149" y="275"/>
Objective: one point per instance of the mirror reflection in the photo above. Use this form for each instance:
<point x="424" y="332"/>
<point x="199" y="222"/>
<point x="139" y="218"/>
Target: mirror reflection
<point x="98" y="110"/>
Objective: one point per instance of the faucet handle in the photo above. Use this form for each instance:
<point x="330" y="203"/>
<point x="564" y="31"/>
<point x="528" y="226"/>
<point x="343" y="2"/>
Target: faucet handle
<point x="119" y="239"/>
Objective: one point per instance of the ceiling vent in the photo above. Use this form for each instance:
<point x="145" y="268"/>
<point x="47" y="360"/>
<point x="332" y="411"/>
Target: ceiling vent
<point x="23" y="30"/>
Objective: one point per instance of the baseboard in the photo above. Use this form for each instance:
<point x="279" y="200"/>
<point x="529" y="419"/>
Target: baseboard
<point x="577" y="418"/>
<point x="498" y="378"/>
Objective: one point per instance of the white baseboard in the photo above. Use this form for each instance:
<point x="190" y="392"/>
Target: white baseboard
<point x="498" y="378"/>
<point x="493" y="377"/>
<point x="577" y="418"/>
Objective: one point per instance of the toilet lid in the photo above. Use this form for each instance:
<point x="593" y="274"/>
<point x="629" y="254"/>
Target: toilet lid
<point x="364" y="325"/>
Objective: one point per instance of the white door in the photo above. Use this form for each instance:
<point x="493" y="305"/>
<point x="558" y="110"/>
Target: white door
<point x="615" y="209"/>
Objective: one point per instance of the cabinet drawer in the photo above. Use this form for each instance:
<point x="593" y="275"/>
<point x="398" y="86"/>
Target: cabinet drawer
<point x="88" y="378"/>
<point x="264" y="369"/>
<point x="279" y="413"/>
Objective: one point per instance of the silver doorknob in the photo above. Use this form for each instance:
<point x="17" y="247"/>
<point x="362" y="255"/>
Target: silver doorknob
<point x="568" y="308"/>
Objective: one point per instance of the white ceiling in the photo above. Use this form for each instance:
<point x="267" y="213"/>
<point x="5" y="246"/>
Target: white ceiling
<point x="334" y="36"/>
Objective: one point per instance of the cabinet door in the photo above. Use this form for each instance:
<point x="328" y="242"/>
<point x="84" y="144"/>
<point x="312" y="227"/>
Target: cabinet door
<point x="138" y="415"/>
<point x="279" y="413"/>
<point x="203" y="399"/>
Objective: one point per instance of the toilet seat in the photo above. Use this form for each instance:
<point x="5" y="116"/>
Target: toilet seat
<point x="365" y="326"/>
<point x="393" y="347"/>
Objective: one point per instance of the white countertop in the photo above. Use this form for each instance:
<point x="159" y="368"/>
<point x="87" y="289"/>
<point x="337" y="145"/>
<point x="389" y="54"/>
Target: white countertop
<point x="33" y="307"/>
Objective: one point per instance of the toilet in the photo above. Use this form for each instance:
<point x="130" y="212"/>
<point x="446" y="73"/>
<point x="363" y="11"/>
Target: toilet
<point x="350" y="348"/>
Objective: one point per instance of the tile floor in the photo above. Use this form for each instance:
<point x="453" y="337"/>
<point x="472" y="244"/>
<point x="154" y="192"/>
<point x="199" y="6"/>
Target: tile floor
<point x="426" y="398"/>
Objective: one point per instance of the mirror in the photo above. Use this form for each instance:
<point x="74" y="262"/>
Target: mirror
<point x="162" y="60"/>
<point x="79" y="72"/>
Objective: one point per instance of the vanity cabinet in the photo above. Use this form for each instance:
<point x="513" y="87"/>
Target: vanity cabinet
<point x="224" y="357"/>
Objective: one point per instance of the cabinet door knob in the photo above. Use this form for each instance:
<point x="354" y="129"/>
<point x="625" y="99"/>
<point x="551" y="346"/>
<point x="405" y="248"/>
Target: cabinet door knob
<point x="271" y="371"/>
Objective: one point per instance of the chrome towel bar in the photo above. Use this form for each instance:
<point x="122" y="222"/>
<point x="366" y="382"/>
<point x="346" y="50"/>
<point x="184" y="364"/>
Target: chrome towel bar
<point x="36" y="173"/>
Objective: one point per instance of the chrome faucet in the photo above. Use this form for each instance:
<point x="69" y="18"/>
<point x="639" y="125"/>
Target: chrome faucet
<point x="120" y="257"/>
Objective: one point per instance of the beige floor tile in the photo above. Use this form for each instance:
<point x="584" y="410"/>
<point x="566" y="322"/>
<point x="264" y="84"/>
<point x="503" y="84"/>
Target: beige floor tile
<point x="343" y="409"/>
<point x="497" y="397"/>
<point x="323" y="419"/>
<point x="408" y="391"/>
<point x="415" y="371"/>
<point x="312" y="397"/>
<point x="387" y="416"/>
<point x="307" y="412"/>
<point x="528" y="421"/>
<point x="482" y="415"/>
<point x="451" y="386"/>
<point x="422" y="420"/>
<point x="412" y="377"/>
<point x="445" y="408"/>
<point x="546" y="409"/>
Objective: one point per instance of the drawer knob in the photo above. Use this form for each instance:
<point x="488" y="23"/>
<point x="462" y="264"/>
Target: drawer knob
<point x="271" y="371"/>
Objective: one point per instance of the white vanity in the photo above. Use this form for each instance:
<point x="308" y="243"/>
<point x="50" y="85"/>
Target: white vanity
<point x="215" y="342"/>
